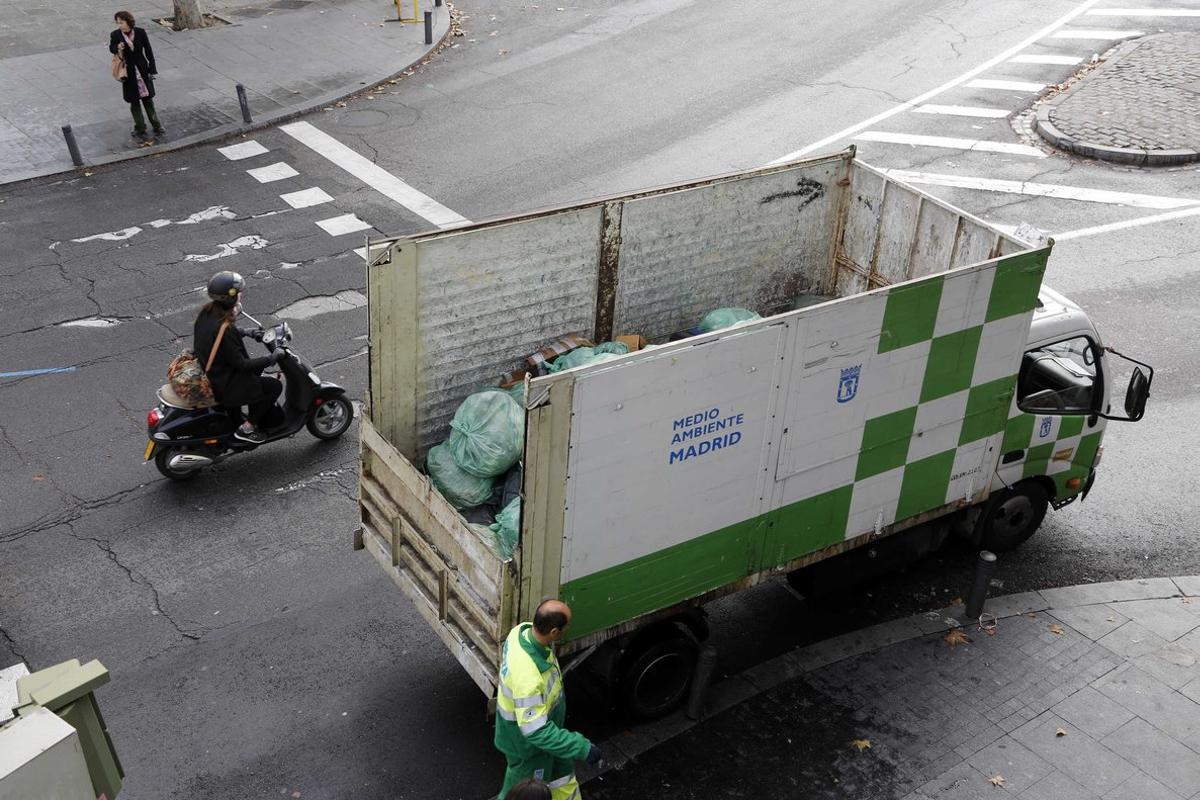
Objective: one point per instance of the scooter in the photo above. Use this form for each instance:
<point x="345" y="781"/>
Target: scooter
<point x="185" y="439"/>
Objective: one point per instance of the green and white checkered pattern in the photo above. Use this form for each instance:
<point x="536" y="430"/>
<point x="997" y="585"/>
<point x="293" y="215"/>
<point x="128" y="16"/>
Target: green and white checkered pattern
<point x="938" y="360"/>
<point x="1059" y="447"/>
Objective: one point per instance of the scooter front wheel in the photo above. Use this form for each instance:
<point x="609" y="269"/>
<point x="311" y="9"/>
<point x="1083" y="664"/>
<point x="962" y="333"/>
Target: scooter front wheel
<point x="162" y="461"/>
<point x="332" y="418"/>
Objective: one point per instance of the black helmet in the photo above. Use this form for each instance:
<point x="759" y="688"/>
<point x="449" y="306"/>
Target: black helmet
<point x="225" y="288"/>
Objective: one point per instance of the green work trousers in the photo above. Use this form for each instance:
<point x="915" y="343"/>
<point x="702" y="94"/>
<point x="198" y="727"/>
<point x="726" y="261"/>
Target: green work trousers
<point x="139" y="122"/>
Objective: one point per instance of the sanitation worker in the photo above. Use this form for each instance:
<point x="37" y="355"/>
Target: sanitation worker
<point x="531" y="708"/>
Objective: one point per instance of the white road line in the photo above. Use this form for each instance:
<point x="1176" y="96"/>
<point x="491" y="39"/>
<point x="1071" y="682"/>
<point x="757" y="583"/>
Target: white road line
<point x="306" y="197"/>
<point x="1145" y="12"/>
<point x="963" y="111"/>
<point x="1093" y="33"/>
<point x="1129" y="223"/>
<point x="373" y="175"/>
<point x="1043" y="190"/>
<point x="275" y="172"/>
<point x="341" y="225"/>
<point x="920" y="140"/>
<point x="1066" y="61"/>
<point x="236" y="152"/>
<point x="1012" y="86"/>
<point x="954" y="82"/>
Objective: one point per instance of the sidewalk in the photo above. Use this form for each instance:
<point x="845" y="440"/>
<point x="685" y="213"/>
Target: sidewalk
<point x="291" y="55"/>
<point x="1084" y="692"/>
<point x="1138" y="107"/>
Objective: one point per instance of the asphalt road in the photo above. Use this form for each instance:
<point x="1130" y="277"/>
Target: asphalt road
<point x="253" y="652"/>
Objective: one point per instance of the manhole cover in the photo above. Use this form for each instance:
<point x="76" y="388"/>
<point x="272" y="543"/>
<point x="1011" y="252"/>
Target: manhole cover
<point x="289" y="3"/>
<point x="362" y="118"/>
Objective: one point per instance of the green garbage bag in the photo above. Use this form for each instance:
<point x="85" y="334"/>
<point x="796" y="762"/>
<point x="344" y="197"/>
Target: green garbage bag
<point x="588" y="355"/>
<point x="462" y="489"/>
<point x="487" y="433"/>
<point x="721" y="318"/>
<point x="507" y="529"/>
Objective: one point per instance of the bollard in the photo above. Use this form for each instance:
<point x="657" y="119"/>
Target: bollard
<point x="428" y="27"/>
<point x="241" y="90"/>
<point x="701" y="675"/>
<point x="984" y="568"/>
<point x="437" y="3"/>
<point x="69" y="135"/>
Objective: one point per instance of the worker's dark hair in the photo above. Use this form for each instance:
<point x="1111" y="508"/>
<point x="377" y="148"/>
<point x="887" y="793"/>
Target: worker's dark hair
<point x="125" y="15"/>
<point x="529" y="789"/>
<point x="547" y="619"/>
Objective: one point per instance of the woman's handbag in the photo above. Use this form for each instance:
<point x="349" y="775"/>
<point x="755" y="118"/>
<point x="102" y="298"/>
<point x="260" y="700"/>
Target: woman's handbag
<point x="189" y="381"/>
<point x="118" y="67"/>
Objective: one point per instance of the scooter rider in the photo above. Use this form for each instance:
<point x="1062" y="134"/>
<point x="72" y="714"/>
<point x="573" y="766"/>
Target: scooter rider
<point x="236" y="378"/>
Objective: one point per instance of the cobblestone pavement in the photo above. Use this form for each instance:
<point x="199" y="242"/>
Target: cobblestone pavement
<point x="291" y="55"/>
<point x="1142" y="105"/>
<point x="1096" y="694"/>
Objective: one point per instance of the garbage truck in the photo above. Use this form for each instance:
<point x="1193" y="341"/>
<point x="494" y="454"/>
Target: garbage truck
<point x="904" y="365"/>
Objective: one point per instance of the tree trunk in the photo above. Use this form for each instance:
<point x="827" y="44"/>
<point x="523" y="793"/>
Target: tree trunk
<point x="188" y="14"/>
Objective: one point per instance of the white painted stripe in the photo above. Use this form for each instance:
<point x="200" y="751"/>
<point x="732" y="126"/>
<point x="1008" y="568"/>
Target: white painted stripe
<point x="339" y="226"/>
<point x="1046" y="59"/>
<point x="236" y="152"/>
<point x="950" y="84"/>
<point x="1013" y="86"/>
<point x="1144" y="12"/>
<point x="1042" y="190"/>
<point x="274" y="172"/>
<point x="1129" y="223"/>
<point x="1092" y="33"/>
<point x="920" y="140"/>
<point x="373" y="175"/>
<point x="306" y="197"/>
<point x="963" y="111"/>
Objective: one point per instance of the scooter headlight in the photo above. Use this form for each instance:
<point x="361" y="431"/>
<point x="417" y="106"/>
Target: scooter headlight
<point x="268" y="336"/>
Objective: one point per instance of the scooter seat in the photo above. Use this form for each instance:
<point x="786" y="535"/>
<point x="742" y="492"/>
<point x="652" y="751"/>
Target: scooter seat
<point x="168" y="396"/>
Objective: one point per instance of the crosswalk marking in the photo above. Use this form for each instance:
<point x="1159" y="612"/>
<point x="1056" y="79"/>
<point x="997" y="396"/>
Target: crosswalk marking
<point x="343" y="224"/>
<point x="273" y="172"/>
<point x="1015" y="86"/>
<point x="1093" y="33"/>
<point x="306" y="197"/>
<point x="951" y="142"/>
<point x="236" y="152"/>
<point x="1042" y="190"/>
<point x="963" y="111"/>
<point x="1129" y="223"/>
<point x="1046" y="59"/>
<point x="373" y="175"/>
<point x="1145" y="12"/>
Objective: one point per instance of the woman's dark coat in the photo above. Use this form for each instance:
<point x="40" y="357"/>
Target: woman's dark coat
<point x="138" y="60"/>
<point x="234" y="375"/>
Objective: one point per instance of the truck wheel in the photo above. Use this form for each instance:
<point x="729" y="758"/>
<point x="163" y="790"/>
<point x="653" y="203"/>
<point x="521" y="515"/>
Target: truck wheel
<point x="1012" y="516"/>
<point x="657" y="673"/>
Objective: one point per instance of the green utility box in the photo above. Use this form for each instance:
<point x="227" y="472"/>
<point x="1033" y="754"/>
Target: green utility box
<point x="66" y="689"/>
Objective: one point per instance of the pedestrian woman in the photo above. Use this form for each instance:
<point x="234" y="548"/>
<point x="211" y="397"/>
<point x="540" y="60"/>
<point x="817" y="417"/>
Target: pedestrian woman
<point x="133" y="46"/>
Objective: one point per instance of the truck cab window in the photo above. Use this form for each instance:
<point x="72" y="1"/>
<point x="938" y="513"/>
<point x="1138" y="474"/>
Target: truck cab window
<point x="1059" y="378"/>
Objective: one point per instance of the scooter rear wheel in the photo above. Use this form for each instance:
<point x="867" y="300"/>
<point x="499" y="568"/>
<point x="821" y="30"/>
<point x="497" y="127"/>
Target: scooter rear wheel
<point x="331" y="419"/>
<point x="162" y="462"/>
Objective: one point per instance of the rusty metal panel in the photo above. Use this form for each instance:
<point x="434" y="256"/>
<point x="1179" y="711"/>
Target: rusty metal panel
<point x="755" y="241"/>
<point x="860" y="234"/>
<point x="897" y="227"/>
<point x="937" y="229"/>
<point x="490" y="296"/>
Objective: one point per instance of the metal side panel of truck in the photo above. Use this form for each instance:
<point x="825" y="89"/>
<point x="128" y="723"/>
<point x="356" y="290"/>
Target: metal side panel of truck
<point x="695" y="468"/>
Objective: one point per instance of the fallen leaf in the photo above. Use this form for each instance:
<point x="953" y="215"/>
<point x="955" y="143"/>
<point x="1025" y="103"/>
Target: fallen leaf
<point x="956" y="637"/>
<point x="1031" y="615"/>
<point x="996" y="780"/>
<point x="1110" y="619"/>
<point x="1187" y="601"/>
<point x="861" y="744"/>
<point x="958" y="601"/>
<point x="1061" y="732"/>
<point x="503" y="52"/>
<point x="1057" y="629"/>
<point x="39" y="477"/>
<point x="87" y="174"/>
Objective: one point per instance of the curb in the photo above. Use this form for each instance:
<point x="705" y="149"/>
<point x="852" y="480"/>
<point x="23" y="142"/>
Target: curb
<point x="625" y="748"/>
<point x="238" y="128"/>
<point x="1121" y="155"/>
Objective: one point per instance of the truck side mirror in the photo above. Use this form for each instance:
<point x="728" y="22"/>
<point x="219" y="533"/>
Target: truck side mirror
<point x="1138" y="391"/>
<point x="1137" y="394"/>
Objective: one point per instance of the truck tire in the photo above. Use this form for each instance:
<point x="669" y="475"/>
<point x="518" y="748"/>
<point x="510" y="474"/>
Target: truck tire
<point x="1012" y="516"/>
<point x="656" y="672"/>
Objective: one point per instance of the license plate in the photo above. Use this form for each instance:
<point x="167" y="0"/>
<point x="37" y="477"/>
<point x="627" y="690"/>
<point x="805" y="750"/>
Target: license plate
<point x="149" y="450"/>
